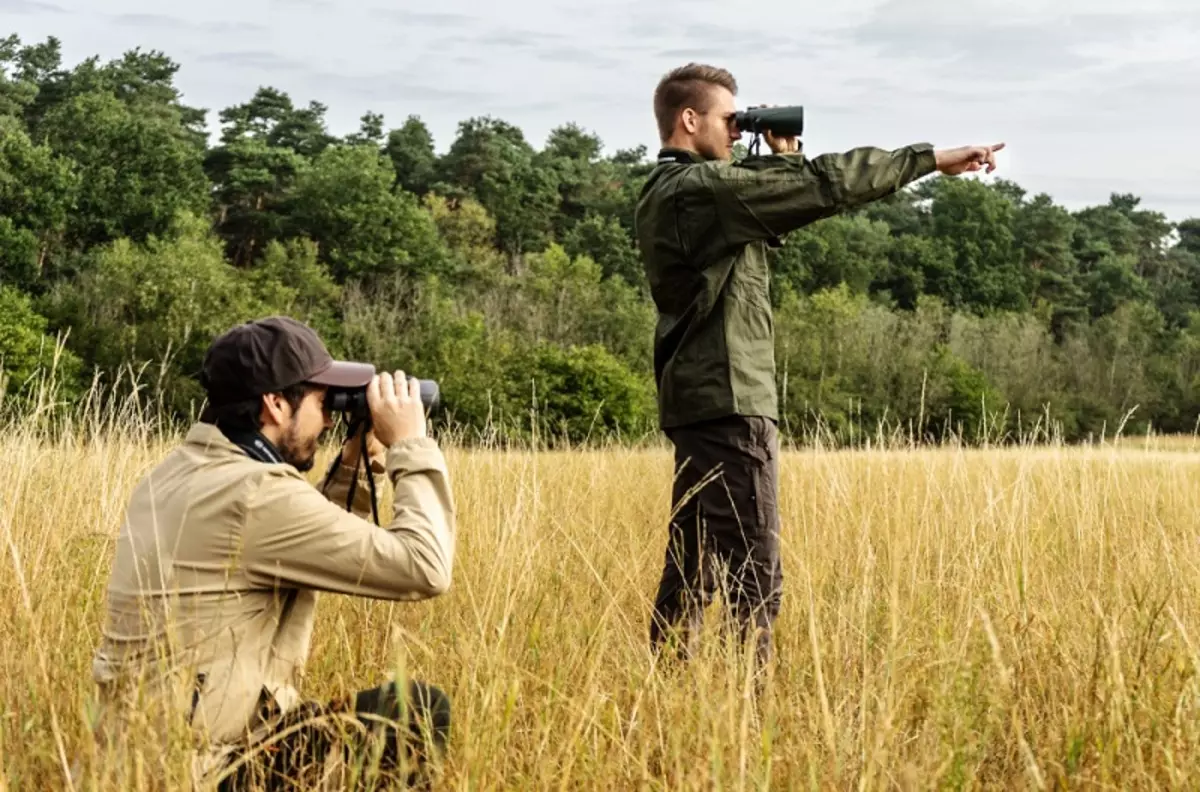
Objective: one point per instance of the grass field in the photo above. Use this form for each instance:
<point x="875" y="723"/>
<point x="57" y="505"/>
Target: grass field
<point x="952" y="619"/>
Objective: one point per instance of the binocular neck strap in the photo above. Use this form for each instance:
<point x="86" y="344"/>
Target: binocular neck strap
<point x="362" y="460"/>
<point x="254" y="444"/>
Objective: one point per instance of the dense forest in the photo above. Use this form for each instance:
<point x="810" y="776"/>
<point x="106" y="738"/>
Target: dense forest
<point x="130" y="237"/>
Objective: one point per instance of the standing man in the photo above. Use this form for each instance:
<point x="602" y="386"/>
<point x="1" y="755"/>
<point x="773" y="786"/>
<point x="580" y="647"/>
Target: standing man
<point x="703" y="226"/>
<point x="225" y="547"/>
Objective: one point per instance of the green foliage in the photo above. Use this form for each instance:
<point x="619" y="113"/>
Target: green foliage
<point x="362" y="226"/>
<point x="22" y="69"/>
<point x="292" y="281"/>
<point x="1189" y="236"/>
<point x="272" y="118"/>
<point x="576" y="393"/>
<point x="252" y="180"/>
<point x="491" y="160"/>
<point x="410" y="149"/>
<point x="509" y="273"/>
<point x="35" y="184"/>
<point x="977" y="223"/>
<point x="157" y="306"/>
<point x="960" y="398"/>
<point x="37" y="191"/>
<point x="136" y="170"/>
<point x="841" y="249"/>
<point x="604" y="240"/>
<point x="28" y="353"/>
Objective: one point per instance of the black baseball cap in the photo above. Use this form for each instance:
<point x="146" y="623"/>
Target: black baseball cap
<point x="268" y="355"/>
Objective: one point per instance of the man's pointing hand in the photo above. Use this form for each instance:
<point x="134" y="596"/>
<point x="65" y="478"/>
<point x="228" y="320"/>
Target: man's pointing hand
<point x="967" y="159"/>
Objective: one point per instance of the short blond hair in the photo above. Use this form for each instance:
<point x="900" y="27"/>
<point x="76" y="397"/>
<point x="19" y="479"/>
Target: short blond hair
<point x="687" y="86"/>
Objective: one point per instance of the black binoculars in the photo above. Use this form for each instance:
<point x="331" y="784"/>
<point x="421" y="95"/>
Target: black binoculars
<point x="782" y="121"/>
<point x="353" y="401"/>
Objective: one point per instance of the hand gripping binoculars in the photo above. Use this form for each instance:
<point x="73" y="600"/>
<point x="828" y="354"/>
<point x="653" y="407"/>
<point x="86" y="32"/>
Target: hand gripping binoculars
<point x="353" y="401"/>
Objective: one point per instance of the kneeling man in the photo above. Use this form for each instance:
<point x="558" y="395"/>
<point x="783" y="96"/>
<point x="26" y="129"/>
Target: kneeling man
<point x="226" y="545"/>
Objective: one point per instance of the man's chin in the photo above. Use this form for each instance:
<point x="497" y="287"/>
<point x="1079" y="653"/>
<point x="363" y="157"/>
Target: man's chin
<point x="302" y="462"/>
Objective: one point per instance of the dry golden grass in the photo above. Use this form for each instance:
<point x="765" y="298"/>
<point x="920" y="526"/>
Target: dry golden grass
<point x="1003" y="618"/>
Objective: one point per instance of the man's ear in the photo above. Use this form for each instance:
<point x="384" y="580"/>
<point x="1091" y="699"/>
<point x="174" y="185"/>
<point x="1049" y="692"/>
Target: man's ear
<point x="689" y="120"/>
<point x="275" y="410"/>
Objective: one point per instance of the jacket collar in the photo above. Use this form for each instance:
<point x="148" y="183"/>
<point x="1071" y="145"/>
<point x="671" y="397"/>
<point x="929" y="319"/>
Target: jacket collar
<point x="252" y="444"/>
<point x="681" y="156"/>
<point x="209" y="436"/>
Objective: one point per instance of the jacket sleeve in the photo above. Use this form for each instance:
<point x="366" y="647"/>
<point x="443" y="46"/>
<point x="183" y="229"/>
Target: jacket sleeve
<point x="296" y="536"/>
<point x="763" y="198"/>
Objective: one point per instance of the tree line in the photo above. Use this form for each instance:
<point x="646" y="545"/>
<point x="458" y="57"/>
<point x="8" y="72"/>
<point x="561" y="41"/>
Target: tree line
<point x="506" y="270"/>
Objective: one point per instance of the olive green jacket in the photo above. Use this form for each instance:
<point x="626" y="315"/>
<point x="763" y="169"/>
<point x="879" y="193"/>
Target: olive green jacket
<point x="703" y="229"/>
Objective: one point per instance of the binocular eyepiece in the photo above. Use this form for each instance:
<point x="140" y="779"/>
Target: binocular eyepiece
<point x="782" y="121"/>
<point x="353" y="401"/>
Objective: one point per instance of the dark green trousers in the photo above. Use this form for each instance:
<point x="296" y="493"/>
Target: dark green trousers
<point x="724" y="533"/>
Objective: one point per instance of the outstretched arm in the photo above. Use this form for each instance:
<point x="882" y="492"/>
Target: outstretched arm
<point x="767" y="197"/>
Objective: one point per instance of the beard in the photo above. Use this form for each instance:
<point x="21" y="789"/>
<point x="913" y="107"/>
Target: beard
<point x="299" y="452"/>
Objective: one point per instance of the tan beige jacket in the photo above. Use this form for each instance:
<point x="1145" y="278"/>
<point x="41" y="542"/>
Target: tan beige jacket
<point x="220" y="559"/>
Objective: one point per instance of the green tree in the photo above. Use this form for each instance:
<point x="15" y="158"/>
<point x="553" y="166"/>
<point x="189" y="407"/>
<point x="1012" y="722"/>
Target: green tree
<point x="23" y="70"/>
<point x="977" y="222"/>
<point x="370" y="131"/>
<point x="491" y="160"/>
<point x="1189" y="235"/>
<point x="156" y="305"/>
<point x="839" y="249"/>
<point x="410" y="149"/>
<point x="270" y="116"/>
<point x="37" y="193"/>
<point x="291" y="280"/>
<point x="1112" y="282"/>
<point x="917" y="265"/>
<point x="363" y="227"/>
<point x="252" y="181"/>
<point x="468" y="231"/>
<point x="603" y="240"/>
<point x="578" y="393"/>
<point x="136" y="169"/>
<point x="265" y="144"/>
<point x="28" y="354"/>
<point x="1044" y="234"/>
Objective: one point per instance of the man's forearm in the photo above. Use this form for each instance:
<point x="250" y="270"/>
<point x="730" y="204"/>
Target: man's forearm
<point x="869" y="174"/>
<point x="774" y="195"/>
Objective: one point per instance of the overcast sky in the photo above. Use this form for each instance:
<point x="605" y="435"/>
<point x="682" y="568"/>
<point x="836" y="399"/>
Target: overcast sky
<point x="1091" y="96"/>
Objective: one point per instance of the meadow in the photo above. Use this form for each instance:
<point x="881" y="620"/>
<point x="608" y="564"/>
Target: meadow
<point x="953" y="618"/>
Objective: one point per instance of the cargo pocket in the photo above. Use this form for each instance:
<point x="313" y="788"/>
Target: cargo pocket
<point x="765" y="479"/>
<point x="756" y="453"/>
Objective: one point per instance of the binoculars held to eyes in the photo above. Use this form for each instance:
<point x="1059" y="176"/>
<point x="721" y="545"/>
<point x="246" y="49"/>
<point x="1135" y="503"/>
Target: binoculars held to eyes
<point x="353" y="401"/>
<point x="781" y="121"/>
